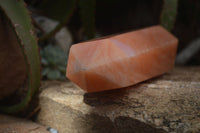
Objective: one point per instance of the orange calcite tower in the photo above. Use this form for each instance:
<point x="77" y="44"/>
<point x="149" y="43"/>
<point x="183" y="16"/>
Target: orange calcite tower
<point x="122" y="60"/>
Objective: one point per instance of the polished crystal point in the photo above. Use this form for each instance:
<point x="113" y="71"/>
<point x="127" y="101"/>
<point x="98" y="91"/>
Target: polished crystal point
<point x="122" y="60"/>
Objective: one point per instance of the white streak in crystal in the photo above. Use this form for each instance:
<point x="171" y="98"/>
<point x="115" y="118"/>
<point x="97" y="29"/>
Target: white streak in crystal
<point x="76" y="66"/>
<point x="125" y="48"/>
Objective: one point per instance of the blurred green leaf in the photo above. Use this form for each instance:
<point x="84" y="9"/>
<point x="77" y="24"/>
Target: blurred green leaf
<point x="60" y="10"/>
<point x="44" y="62"/>
<point x="168" y="15"/>
<point x="54" y="55"/>
<point x="63" y="77"/>
<point x="62" y="69"/>
<point x="45" y="71"/>
<point x="87" y="12"/>
<point x="54" y="74"/>
<point x="56" y="60"/>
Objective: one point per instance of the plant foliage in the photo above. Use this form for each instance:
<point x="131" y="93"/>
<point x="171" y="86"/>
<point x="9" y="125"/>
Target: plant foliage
<point x="63" y="10"/>
<point x="168" y="15"/>
<point x="20" y="21"/>
<point x="54" y="62"/>
<point x="87" y="12"/>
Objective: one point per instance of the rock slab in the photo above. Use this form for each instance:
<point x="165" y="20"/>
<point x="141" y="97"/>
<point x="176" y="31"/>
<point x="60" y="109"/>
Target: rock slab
<point x="9" y="124"/>
<point x="169" y="103"/>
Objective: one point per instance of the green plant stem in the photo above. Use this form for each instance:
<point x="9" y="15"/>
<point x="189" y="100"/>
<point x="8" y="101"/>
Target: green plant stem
<point x="53" y="32"/>
<point x="168" y="15"/>
<point x="63" y="22"/>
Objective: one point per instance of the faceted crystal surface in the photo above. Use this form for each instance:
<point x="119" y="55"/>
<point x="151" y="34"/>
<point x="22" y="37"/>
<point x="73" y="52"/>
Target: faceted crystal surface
<point x="121" y="60"/>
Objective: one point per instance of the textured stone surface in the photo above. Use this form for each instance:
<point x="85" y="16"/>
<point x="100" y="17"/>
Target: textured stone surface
<point x="169" y="103"/>
<point x="122" y="60"/>
<point x="9" y="124"/>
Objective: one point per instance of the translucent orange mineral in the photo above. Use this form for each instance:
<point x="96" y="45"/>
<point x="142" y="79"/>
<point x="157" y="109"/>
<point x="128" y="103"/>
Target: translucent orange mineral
<point x="122" y="60"/>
